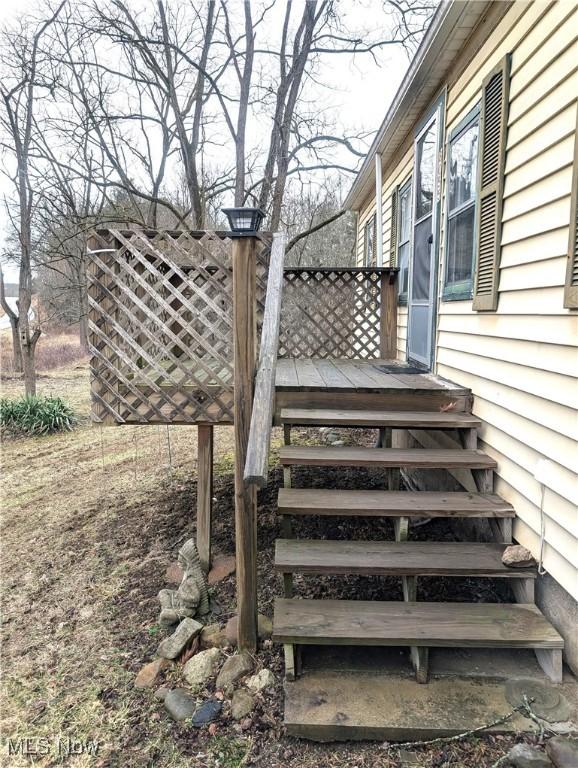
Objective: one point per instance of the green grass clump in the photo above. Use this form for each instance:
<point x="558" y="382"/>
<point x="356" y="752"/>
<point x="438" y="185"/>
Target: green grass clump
<point x="35" y="415"/>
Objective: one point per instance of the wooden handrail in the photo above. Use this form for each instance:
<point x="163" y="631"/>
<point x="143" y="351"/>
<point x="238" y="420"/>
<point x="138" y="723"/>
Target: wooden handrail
<point x="257" y="463"/>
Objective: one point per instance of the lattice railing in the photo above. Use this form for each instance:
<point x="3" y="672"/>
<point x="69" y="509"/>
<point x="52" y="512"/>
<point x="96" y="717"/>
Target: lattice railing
<point x="333" y="312"/>
<point x="160" y="325"/>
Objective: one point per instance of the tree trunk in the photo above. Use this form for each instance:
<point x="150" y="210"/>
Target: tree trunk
<point x="16" y="348"/>
<point x="29" y="359"/>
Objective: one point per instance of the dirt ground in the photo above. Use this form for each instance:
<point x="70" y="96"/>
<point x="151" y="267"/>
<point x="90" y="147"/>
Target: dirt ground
<point x="90" y="522"/>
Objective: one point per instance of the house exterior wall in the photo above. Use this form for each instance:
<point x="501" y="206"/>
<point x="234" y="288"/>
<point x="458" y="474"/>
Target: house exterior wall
<point x="521" y="361"/>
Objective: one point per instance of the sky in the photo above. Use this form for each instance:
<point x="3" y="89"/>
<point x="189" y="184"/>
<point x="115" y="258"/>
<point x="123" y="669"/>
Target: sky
<point x="360" y="88"/>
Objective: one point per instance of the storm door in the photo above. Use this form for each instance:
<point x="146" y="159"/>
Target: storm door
<point x="424" y="252"/>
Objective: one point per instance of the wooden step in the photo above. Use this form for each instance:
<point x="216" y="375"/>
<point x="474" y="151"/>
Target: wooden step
<point x="367" y="418"/>
<point x="444" y="625"/>
<point x="321" y="501"/>
<point x="425" y="458"/>
<point x="407" y="558"/>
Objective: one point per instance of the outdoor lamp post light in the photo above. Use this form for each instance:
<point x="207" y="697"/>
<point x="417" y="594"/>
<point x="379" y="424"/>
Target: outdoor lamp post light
<point x="244" y="220"/>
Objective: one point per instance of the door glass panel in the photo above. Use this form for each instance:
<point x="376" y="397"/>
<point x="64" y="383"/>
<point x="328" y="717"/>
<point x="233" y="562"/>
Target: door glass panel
<point x="425" y="183"/>
<point x="462" y="171"/>
<point x="460" y="246"/>
<point x="421" y="260"/>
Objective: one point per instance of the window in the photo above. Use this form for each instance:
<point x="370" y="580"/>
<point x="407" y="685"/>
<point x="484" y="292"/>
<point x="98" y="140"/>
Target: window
<point x="404" y="234"/>
<point x="369" y="249"/>
<point x="461" y="208"/>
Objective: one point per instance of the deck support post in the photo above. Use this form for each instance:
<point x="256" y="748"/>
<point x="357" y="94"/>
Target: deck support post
<point x="204" y="493"/>
<point x="244" y="346"/>
<point x="419" y="656"/>
<point x="388" y="320"/>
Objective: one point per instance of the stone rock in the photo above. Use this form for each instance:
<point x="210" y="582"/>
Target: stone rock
<point x="223" y="566"/>
<point x="150" y="673"/>
<point x="517" y="556"/>
<point x="172" y="647"/>
<point x="213" y="636"/>
<point x="161" y="693"/>
<point x="263" y="679"/>
<point x="233" y="669"/>
<point x="201" y="667"/>
<point x="174" y="574"/>
<point x="264" y="628"/>
<point x="242" y="703"/>
<point x="525" y="756"/>
<point x="207" y="713"/>
<point x="180" y="704"/>
<point x="563" y="752"/>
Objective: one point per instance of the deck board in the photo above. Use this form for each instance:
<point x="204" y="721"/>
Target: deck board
<point x="358" y="376"/>
<point x="361" y="622"/>
<point x="322" y="501"/>
<point x="425" y="458"/>
<point x="394" y="558"/>
<point x="335" y="417"/>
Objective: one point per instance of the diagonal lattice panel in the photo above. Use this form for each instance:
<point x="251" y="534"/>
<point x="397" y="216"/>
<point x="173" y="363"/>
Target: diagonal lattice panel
<point x="160" y="325"/>
<point x="331" y="313"/>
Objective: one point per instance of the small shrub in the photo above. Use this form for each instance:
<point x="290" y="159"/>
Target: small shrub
<point x="36" y="415"/>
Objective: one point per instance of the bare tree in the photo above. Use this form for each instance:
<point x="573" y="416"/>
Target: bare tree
<point x="30" y="77"/>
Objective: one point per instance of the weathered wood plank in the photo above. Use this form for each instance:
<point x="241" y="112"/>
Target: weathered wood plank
<point x="204" y="493"/>
<point x="367" y="418"/>
<point x="446" y="625"/>
<point x="309" y="501"/>
<point x="308" y="376"/>
<point x="388" y="318"/>
<point x="244" y="343"/>
<point x="394" y="399"/>
<point x="382" y="558"/>
<point x="331" y="375"/>
<point x="425" y="458"/>
<point x="259" y="443"/>
<point x="286" y="374"/>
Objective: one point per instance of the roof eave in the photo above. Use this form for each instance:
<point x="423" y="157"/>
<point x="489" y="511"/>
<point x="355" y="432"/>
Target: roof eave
<point x="426" y="74"/>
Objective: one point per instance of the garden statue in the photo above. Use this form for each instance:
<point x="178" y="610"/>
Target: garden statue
<point x="192" y="597"/>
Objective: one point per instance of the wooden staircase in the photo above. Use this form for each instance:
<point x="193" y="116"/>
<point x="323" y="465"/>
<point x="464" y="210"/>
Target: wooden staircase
<point x="419" y="625"/>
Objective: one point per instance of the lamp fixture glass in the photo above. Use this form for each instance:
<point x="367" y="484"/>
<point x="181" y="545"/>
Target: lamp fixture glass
<point x="244" y="219"/>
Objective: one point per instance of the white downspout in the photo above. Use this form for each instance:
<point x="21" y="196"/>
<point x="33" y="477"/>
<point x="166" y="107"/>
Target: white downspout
<point x="378" y="212"/>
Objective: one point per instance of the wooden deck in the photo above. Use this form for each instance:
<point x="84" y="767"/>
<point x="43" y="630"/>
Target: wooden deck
<point x="360" y="384"/>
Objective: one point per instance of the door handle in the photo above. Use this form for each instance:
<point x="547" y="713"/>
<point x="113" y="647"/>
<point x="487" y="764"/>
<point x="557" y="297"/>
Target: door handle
<point x="430" y="239"/>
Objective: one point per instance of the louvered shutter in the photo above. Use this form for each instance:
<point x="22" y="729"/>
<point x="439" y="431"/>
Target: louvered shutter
<point x="374" y="241"/>
<point x="393" y="239"/>
<point x="493" y="128"/>
<point x="571" y="287"/>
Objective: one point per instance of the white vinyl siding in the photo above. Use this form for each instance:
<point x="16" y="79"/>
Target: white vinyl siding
<point x="521" y="361"/>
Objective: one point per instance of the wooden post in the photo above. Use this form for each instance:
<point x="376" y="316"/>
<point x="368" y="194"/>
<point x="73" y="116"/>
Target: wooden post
<point x="388" y="325"/>
<point x="204" y="493"/>
<point x="244" y="344"/>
